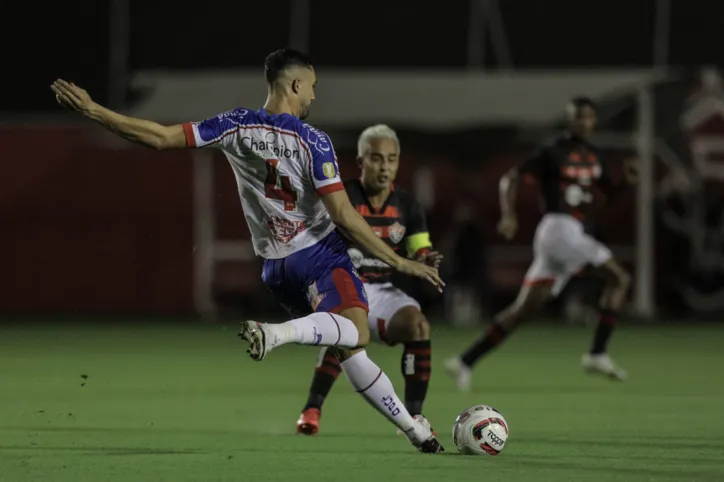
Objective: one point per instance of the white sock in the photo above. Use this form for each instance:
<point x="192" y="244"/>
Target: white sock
<point x="371" y="382"/>
<point x="324" y="329"/>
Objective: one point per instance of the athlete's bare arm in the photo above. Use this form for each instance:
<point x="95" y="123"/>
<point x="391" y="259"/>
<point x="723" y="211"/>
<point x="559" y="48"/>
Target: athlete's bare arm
<point x="140" y="131"/>
<point x="508" y="191"/>
<point x="346" y="217"/>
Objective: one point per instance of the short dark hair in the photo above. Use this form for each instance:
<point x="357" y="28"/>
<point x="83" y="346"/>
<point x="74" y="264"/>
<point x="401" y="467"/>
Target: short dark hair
<point x="282" y="59"/>
<point x="583" y="101"/>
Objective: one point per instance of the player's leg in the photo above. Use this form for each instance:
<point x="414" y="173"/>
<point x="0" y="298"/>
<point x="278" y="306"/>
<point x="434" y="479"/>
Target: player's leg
<point x="328" y="369"/>
<point x="325" y="329"/>
<point x="531" y="297"/>
<point x="614" y="295"/>
<point x="537" y="287"/>
<point x="287" y="279"/>
<point x="325" y="374"/>
<point x="404" y="323"/>
<point x="340" y="289"/>
<point x="365" y="376"/>
<point x="574" y="250"/>
<point x="394" y="318"/>
<point x="338" y="298"/>
<point x="373" y="384"/>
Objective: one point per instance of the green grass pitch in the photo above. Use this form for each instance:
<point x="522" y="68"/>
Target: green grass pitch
<point x="183" y="402"/>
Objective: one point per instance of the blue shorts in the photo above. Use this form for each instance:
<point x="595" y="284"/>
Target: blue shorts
<point x="320" y="278"/>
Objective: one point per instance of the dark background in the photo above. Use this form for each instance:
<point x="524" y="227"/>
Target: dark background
<point x="73" y="41"/>
<point x="95" y="226"/>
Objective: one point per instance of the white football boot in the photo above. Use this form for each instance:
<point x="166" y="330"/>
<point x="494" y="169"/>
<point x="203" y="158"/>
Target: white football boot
<point x="421" y="436"/>
<point x="459" y="372"/>
<point x="422" y="420"/>
<point x="261" y="339"/>
<point x="603" y="365"/>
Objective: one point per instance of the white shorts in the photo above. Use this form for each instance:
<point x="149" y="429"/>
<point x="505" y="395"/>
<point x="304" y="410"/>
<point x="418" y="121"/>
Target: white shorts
<point x="385" y="300"/>
<point x="561" y="249"/>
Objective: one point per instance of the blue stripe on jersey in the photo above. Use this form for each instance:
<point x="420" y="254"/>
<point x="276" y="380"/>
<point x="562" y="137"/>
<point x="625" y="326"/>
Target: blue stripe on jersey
<point x="215" y="128"/>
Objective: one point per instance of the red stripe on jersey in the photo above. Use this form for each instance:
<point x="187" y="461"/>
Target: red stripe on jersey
<point x="389" y="212"/>
<point x="189" y="133"/>
<point x="381" y="231"/>
<point x="330" y="188"/>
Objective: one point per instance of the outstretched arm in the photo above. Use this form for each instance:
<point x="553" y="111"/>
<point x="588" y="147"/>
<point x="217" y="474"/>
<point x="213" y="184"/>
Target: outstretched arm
<point x="140" y="131"/>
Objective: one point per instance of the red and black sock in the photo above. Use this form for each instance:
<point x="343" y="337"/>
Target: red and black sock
<point x="492" y="337"/>
<point x="324" y="376"/>
<point x="416" y="370"/>
<point x="606" y="323"/>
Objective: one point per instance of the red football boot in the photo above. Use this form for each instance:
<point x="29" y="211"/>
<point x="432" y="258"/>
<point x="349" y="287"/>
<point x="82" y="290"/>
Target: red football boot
<point x="308" y="423"/>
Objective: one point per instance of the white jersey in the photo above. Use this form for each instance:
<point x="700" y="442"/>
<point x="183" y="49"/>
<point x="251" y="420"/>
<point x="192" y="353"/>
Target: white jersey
<point x="282" y="167"/>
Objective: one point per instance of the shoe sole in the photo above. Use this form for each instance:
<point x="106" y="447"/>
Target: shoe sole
<point x="431" y="446"/>
<point x="252" y="332"/>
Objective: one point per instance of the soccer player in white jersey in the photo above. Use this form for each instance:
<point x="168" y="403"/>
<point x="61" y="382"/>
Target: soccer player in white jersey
<point x="293" y="199"/>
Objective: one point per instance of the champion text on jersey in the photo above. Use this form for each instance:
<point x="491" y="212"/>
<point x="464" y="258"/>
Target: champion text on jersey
<point x="270" y="146"/>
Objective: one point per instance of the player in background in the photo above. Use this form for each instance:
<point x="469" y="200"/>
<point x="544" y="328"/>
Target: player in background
<point x="566" y="169"/>
<point x="293" y="199"/>
<point x="394" y="317"/>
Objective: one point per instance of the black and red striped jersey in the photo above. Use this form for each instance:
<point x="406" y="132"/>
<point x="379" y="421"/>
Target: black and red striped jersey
<point x="567" y="169"/>
<point x="400" y="222"/>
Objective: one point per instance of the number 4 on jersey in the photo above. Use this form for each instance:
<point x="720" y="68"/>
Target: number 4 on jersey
<point x="279" y="187"/>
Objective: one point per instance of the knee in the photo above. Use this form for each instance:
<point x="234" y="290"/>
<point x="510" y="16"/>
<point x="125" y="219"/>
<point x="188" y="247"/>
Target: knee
<point x="363" y="333"/>
<point x="615" y="275"/>
<point x="342" y="354"/>
<point x="409" y="325"/>
<point x="624" y="280"/>
<point x="419" y="327"/>
<point x="620" y="280"/>
<point x="358" y="317"/>
<point x="527" y="303"/>
<point x="523" y="307"/>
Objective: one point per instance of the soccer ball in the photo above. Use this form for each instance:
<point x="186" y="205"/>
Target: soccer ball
<point x="480" y="430"/>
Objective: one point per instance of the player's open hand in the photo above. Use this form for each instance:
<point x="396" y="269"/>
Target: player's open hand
<point x="508" y="226"/>
<point x="428" y="273"/>
<point x="71" y="96"/>
<point x="431" y="258"/>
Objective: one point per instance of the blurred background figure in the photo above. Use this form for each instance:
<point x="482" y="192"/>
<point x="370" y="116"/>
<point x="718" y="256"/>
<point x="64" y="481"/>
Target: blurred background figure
<point x="162" y="237"/>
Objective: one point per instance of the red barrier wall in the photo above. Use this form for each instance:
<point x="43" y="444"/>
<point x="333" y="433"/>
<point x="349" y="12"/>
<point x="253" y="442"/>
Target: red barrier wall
<point x="91" y="229"/>
<point x="90" y="224"/>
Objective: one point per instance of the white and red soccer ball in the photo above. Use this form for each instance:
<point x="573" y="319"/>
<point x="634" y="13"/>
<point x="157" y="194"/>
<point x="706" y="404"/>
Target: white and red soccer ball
<point x="480" y="430"/>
